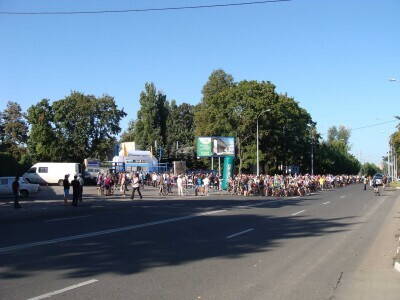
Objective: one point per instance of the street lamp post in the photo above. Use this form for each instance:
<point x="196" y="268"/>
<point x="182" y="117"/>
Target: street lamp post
<point x="258" y="162"/>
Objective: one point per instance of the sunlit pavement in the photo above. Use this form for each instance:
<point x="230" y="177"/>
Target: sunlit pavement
<point x="216" y="247"/>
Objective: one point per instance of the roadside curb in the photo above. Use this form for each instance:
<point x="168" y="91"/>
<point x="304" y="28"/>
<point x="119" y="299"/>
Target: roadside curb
<point x="396" y="258"/>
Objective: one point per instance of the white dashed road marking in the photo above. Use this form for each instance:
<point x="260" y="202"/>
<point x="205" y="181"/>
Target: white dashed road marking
<point x="327" y="202"/>
<point x="239" y="233"/>
<point x="75" y="286"/>
<point x="299" y="212"/>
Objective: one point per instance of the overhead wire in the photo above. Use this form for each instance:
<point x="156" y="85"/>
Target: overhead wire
<point x="139" y="9"/>
<point x="367" y="126"/>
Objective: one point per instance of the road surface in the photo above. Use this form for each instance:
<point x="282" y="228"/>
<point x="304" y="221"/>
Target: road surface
<point x="220" y="247"/>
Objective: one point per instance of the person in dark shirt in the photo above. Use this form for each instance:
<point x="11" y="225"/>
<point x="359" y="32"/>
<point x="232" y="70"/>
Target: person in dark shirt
<point x="66" y="185"/>
<point x="15" y="188"/>
<point x="75" y="190"/>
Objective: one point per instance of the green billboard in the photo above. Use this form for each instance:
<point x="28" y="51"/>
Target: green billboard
<point x="203" y="146"/>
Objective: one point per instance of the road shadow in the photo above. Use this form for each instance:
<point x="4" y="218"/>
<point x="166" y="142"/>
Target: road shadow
<point x="183" y="242"/>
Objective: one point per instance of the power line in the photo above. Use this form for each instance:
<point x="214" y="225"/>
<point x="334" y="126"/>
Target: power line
<point x="137" y="10"/>
<point x="373" y="125"/>
<point x="367" y="126"/>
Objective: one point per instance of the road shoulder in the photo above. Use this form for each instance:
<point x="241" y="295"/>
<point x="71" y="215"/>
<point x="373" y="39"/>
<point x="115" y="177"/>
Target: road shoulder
<point x="375" y="278"/>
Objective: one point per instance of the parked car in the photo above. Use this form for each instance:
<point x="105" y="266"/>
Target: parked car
<point x="51" y="173"/>
<point x="25" y="188"/>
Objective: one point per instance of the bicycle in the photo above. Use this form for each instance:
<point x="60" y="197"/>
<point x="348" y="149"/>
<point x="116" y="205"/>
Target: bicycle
<point x="164" y="190"/>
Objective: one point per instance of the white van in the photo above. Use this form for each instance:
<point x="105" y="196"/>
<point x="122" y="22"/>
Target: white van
<point x="51" y="172"/>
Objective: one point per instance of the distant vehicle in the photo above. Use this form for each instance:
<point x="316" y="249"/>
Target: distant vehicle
<point x="378" y="179"/>
<point x="25" y="188"/>
<point x="90" y="174"/>
<point x="51" y="172"/>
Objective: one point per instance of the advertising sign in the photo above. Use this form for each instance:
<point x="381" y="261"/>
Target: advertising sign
<point x="223" y="146"/>
<point x="203" y="146"/>
<point x="215" y="146"/>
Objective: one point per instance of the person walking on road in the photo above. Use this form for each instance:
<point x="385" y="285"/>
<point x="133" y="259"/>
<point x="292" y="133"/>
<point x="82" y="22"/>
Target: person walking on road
<point x="135" y="187"/>
<point x="123" y="184"/>
<point x="206" y="182"/>
<point x="365" y="183"/>
<point x="81" y="183"/>
<point x="179" y="183"/>
<point x="66" y="186"/>
<point x="75" y="190"/>
<point x="15" y="188"/>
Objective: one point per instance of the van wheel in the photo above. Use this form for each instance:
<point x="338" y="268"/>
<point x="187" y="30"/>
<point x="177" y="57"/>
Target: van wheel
<point x="60" y="182"/>
<point x="24" y="193"/>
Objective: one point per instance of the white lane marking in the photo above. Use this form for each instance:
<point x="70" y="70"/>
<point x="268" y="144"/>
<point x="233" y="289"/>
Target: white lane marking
<point x="75" y="286"/>
<point x="69" y="218"/>
<point x="342" y="197"/>
<point x="327" y="202"/>
<point x="299" y="212"/>
<point x="104" y="232"/>
<point x="239" y="233"/>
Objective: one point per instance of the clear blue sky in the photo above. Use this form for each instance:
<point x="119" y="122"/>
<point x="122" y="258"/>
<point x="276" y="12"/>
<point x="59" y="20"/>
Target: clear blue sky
<point x="334" y="57"/>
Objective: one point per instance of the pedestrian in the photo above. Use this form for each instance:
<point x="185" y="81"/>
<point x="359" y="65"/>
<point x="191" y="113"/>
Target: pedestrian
<point x="365" y="183"/>
<point x="135" y="187"/>
<point x="179" y="183"/>
<point x="66" y="186"/>
<point x="206" y="183"/>
<point x="123" y="184"/>
<point x="81" y="183"/>
<point x="15" y="188"/>
<point x="75" y="190"/>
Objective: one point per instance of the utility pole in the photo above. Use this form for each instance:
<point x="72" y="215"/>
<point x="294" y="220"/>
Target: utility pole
<point x="258" y="160"/>
<point x="312" y="151"/>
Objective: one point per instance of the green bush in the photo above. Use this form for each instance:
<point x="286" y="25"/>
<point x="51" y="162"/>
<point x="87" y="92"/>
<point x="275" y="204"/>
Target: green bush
<point x="11" y="167"/>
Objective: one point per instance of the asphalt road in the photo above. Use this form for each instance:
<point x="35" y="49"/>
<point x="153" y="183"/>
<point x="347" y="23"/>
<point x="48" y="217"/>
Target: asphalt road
<point x="221" y="247"/>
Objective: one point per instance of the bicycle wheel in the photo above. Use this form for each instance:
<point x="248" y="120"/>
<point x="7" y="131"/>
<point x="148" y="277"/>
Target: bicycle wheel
<point x="165" y="191"/>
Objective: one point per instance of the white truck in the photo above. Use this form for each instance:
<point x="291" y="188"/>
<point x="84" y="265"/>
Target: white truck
<point x="51" y="172"/>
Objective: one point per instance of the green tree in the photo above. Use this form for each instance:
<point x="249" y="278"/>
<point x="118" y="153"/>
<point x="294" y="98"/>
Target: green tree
<point x="128" y="135"/>
<point x="344" y="134"/>
<point x="150" y="125"/>
<point x="15" y="130"/>
<point x="341" y="134"/>
<point x="42" y="142"/>
<point x="86" y="126"/>
<point x="369" y="169"/>
<point x="180" y="129"/>
<point x="2" y="133"/>
<point x="332" y="134"/>
<point x="333" y="158"/>
<point x="283" y="130"/>
<point x="218" y="81"/>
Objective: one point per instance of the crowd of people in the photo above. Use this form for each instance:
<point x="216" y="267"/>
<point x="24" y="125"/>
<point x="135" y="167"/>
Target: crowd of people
<point x="203" y="183"/>
<point x="287" y="185"/>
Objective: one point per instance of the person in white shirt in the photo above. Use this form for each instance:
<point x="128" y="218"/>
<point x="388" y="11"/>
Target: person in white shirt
<point x="179" y="183"/>
<point x="206" y="182"/>
<point x="135" y="186"/>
